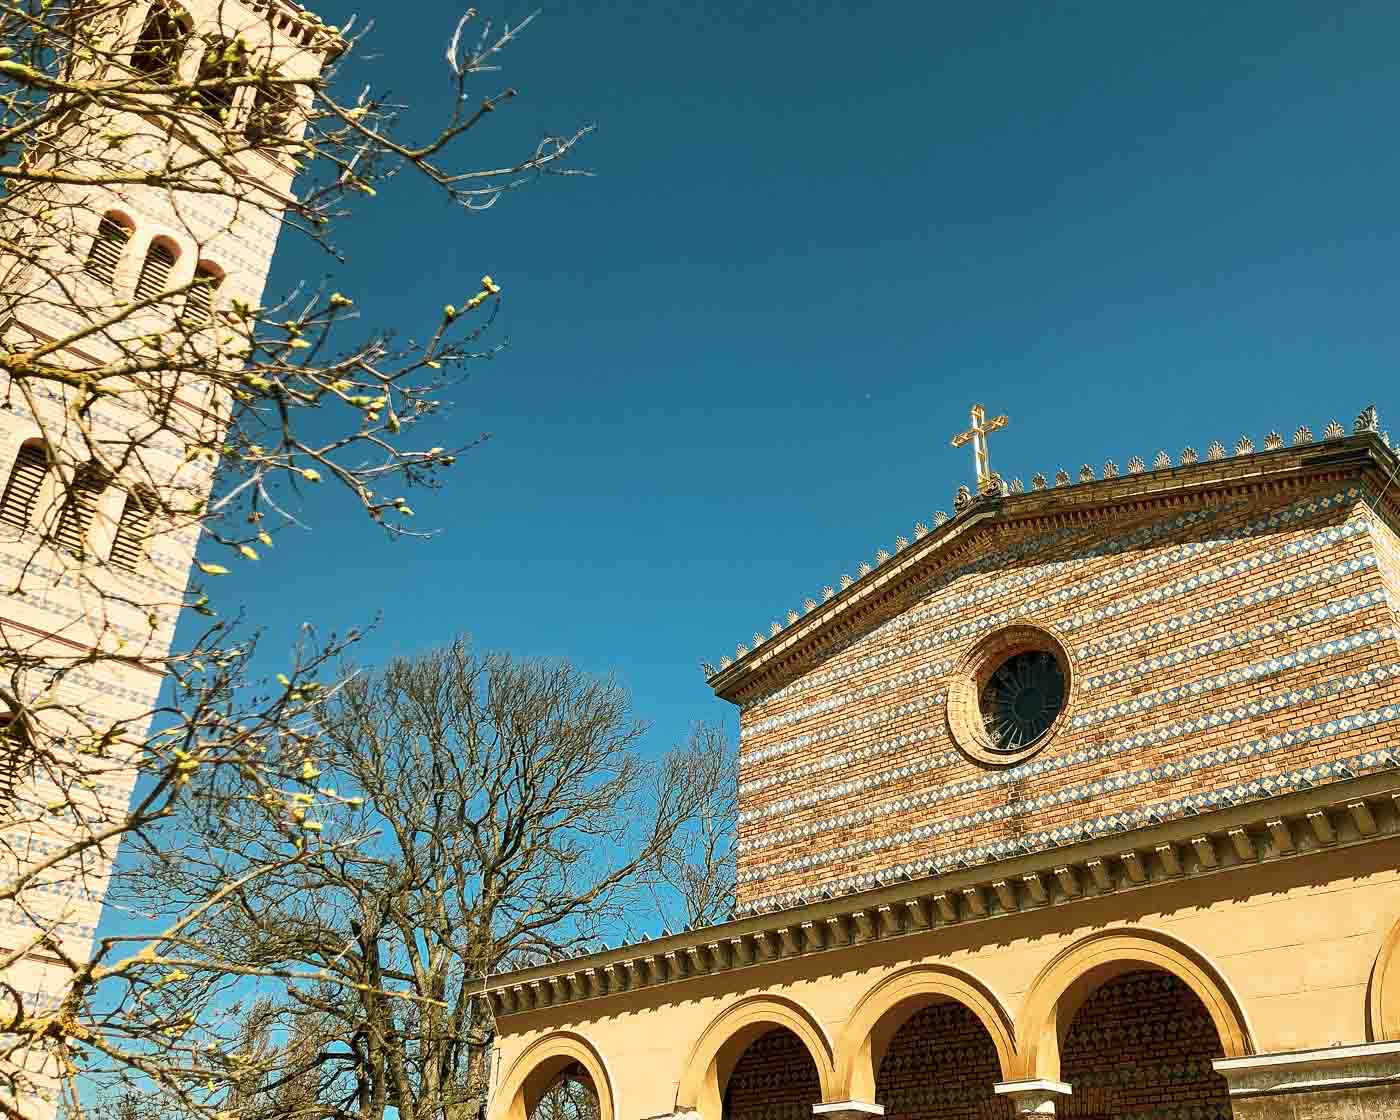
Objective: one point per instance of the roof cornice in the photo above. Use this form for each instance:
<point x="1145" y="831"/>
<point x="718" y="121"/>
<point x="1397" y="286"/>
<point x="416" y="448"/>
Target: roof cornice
<point x="1345" y="814"/>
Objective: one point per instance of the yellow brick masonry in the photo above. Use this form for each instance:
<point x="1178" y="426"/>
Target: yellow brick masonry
<point x="891" y="681"/>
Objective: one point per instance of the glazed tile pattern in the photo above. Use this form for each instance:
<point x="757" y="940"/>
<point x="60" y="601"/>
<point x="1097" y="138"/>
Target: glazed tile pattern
<point x="928" y="764"/>
<point x="1146" y="535"/>
<point x="1232" y="677"/>
<point x="923" y="765"/>
<point x="1267" y="785"/>
<point x="1114" y="578"/>
<point x="860" y="723"/>
<point x="824" y="794"/>
<point x="840" y="700"/>
<point x="992" y="561"/>
<point x="1209" y="612"/>
<point x="1212" y="576"/>
<point x="1165" y="772"/>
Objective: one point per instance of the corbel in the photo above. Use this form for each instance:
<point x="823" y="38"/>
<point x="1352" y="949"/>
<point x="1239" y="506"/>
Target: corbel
<point x="838" y="930"/>
<point x="1035" y="887"/>
<point x="1282" y="836"/>
<point x="1322" y="826"/>
<point x="1364" y="818"/>
<point x="1243" y="843"/>
<point x="1069" y="881"/>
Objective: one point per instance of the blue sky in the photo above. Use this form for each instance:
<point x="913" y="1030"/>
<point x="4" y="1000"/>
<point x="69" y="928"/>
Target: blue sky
<point x="817" y="234"/>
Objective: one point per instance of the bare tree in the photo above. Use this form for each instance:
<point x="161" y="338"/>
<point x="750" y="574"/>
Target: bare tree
<point x="572" y="1098"/>
<point x="160" y="401"/>
<point x="506" y="815"/>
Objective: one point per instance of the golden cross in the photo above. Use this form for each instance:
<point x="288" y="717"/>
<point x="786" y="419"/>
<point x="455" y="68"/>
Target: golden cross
<point x="981" y="428"/>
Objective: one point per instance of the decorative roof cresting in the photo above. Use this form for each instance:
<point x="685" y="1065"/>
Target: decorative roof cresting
<point x="991" y="485"/>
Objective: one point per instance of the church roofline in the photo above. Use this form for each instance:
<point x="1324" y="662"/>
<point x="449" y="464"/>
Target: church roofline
<point x="876" y="592"/>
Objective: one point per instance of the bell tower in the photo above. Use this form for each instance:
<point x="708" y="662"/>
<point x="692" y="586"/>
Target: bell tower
<point x="153" y="187"/>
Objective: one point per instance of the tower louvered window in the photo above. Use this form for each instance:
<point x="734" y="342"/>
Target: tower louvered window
<point x="222" y="59"/>
<point x="79" y="505"/>
<point x="16" y="758"/>
<point x="22" y="491"/>
<point x="199" y="303"/>
<point x="155" y="271"/>
<point x="162" y="41"/>
<point x="106" y="251"/>
<point x="272" y="112"/>
<point x="128" y="545"/>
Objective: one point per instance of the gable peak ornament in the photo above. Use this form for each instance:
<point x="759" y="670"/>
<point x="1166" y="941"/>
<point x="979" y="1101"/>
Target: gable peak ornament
<point x="977" y="435"/>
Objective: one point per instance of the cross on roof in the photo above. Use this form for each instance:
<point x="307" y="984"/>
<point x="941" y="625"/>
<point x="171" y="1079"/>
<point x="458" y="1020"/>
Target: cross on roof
<point x="977" y="434"/>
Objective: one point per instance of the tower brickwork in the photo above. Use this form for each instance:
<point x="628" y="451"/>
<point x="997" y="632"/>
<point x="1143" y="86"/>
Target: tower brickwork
<point x="137" y="211"/>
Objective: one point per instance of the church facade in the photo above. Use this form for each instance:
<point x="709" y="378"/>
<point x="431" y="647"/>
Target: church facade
<point x="1082" y="802"/>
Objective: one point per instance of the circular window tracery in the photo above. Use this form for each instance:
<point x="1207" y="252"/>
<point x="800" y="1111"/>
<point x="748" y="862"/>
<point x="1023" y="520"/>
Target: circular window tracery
<point x="1008" y="695"/>
<point x="1022" y="698"/>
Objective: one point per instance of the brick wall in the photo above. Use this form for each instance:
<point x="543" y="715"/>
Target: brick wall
<point x="774" y="1080"/>
<point x="941" y="1065"/>
<point x="1171" y="614"/>
<point x="1141" y="1049"/>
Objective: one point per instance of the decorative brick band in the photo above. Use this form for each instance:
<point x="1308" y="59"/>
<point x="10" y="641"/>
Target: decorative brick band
<point x="1260" y="670"/>
<point x="1068" y="795"/>
<point x="843" y="759"/>
<point x="1211" y="612"/>
<point x="841" y="699"/>
<point x="1127" y="820"/>
<point x="860" y="723"/>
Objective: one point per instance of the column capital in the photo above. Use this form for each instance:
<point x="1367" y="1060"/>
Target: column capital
<point x="848" y="1110"/>
<point x="1035" y="1096"/>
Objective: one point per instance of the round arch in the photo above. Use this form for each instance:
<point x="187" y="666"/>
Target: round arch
<point x="538" y="1067"/>
<point x="888" y="1005"/>
<point x="724" y="1041"/>
<point x="1383" y="1010"/>
<point x="1075" y="973"/>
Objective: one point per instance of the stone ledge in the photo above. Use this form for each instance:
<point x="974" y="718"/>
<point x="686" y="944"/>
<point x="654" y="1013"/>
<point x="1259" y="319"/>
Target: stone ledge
<point x="1303" y="1071"/>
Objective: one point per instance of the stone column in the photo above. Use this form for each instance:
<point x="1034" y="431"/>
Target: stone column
<point x="1034" y="1097"/>
<point x="848" y="1110"/>
<point x="1358" y="1082"/>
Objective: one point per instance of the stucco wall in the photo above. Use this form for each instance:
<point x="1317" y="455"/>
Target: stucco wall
<point x="1293" y="945"/>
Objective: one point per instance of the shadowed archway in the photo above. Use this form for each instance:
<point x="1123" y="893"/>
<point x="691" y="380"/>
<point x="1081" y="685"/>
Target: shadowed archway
<point x="1141" y="1047"/>
<point x="774" y="1079"/>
